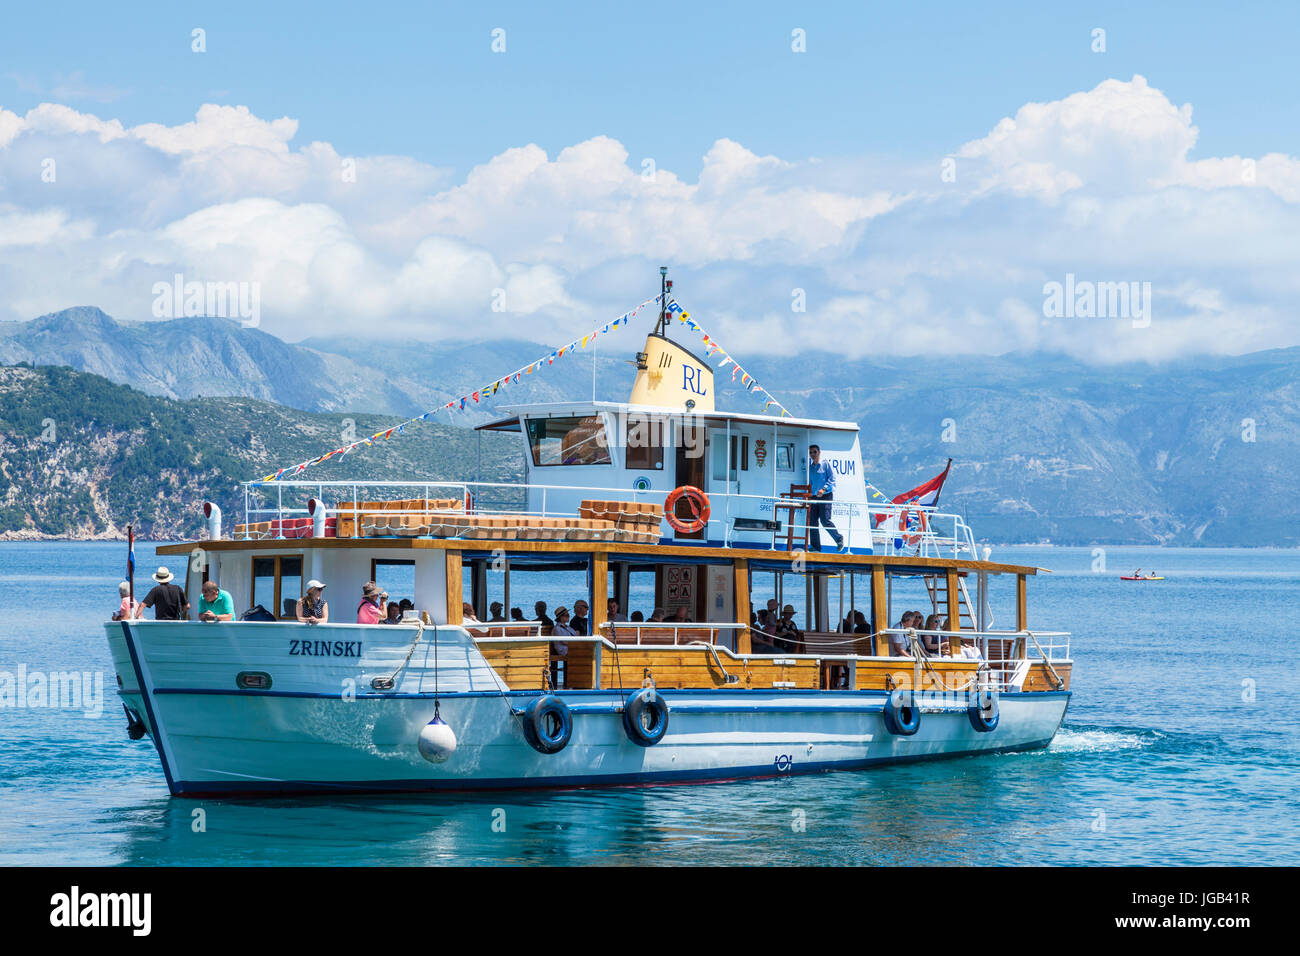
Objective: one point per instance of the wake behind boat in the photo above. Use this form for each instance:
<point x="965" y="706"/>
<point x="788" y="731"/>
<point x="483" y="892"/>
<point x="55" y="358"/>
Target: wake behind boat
<point x="714" y="513"/>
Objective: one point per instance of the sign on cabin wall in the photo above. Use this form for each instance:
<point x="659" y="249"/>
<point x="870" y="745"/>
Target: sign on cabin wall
<point x="679" y="586"/>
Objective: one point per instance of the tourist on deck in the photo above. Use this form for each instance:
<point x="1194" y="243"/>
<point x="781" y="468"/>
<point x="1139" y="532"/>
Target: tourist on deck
<point x="931" y="642"/>
<point x="821" y="476"/>
<point x="788" y="635"/>
<point x="681" y="616"/>
<point x="373" y="604"/>
<point x="406" y="605"/>
<point x="311" y="607"/>
<point x="516" y="614"/>
<point x="126" y="610"/>
<point x="563" y="627"/>
<point x="467" y="613"/>
<point x="638" y="617"/>
<point x="579" y="623"/>
<point x="860" y="625"/>
<point x="657" y="616"/>
<point x="215" y="605"/>
<point x="614" y="614"/>
<point x="539" y="614"/>
<point x="394" y="614"/>
<point x="494" y="611"/>
<point x="898" y="643"/>
<point x="167" y="600"/>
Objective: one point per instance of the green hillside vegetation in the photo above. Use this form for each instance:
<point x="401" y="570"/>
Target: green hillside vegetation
<point x="82" y="457"/>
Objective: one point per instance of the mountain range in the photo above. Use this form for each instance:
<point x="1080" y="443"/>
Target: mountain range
<point x="1045" y="448"/>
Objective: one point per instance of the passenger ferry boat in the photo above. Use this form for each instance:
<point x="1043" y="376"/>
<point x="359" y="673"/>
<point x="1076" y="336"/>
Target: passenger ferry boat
<point x="663" y="500"/>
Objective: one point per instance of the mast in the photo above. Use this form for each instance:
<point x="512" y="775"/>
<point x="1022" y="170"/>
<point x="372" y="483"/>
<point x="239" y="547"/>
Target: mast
<point x="665" y="286"/>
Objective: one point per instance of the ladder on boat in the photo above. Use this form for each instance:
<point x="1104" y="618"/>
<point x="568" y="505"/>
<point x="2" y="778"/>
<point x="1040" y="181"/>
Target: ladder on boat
<point x="937" y="586"/>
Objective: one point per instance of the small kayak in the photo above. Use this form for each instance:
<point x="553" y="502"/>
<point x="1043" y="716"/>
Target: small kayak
<point x="1140" y="577"/>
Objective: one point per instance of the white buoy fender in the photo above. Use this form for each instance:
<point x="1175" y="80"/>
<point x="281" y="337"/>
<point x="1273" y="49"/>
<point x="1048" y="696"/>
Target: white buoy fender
<point x="437" y="741"/>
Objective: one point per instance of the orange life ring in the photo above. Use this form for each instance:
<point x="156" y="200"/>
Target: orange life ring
<point x="912" y="539"/>
<point x="699" y="506"/>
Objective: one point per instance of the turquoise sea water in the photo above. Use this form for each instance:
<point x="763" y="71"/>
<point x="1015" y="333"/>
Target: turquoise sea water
<point x="1180" y="747"/>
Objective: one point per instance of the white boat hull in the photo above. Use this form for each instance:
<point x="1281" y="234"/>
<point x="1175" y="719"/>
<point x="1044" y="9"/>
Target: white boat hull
<point x="322" y="728"/>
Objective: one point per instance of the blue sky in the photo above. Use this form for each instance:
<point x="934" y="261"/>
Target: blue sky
<point x="665" y="79"/>
<point x="914" y="183"/>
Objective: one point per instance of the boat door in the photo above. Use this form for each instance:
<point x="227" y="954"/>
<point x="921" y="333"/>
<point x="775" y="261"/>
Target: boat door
<point x="690" y="470"/>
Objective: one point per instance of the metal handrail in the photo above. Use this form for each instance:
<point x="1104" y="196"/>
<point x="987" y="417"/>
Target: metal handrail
<point x="637" y="626"/>
<point x="928" y="543"/>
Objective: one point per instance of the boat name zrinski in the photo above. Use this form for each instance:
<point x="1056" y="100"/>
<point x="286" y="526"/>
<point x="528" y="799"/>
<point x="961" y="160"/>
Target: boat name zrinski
<point x="325" y="648"/>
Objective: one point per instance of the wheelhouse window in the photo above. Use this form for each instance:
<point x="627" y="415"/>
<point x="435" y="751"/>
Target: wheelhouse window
<point x="568" y="441"/>
<point x="645" y="444"/>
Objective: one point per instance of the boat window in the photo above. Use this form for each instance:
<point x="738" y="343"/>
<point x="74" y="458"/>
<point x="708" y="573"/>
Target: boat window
<point x="290" y="585"/>
<point x="395" y="577"/>
<point x="264" y="583"/>
<point x="645" y="444"/>
<point x="568" y="441"/>
<point x="785" y="456"/>
<point x="277" y="584"/>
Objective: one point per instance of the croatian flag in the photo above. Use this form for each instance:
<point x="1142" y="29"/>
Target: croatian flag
<point x="923" y="494"/>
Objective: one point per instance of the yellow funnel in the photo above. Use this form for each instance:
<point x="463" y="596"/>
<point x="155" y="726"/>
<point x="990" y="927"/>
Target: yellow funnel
<point x="670" y="377"/>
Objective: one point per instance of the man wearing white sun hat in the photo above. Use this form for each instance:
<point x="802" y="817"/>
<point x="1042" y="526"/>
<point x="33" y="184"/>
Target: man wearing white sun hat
<point x="167" y="599"/>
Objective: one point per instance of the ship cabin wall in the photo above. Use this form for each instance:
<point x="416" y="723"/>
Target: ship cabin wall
<point x="638" y="454"/>
<point x="282" y="575"/>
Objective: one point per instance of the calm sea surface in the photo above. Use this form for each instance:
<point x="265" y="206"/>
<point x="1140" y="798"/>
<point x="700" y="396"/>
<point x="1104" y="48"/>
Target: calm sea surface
<point x="1181" y="746"/>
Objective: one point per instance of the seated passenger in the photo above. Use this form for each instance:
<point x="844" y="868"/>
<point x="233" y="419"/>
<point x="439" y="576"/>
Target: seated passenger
<point x="681" y="616"/>
<point x="406" y="605"/>
<point x="788" y="634"/>
<point x="860" y="625"/>
<point x="539" y="614"/>
<point x="638" y="617"/>
<point x="932" y="642"/>
<point x="898" y="643"/>
<point x="657" y="616"/>
<point x="215" y="605"/>
<point x="467" y="613"/>
<point x="614" y="614"/>
<point x="394" y="614"/>
<point x="579" y="623"/>
<point x="312" y="608"/>
<point x="516" y="614"/>
<point x="494" y="611"/>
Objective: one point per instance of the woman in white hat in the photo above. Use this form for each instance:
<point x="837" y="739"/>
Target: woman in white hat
<point x="167" y="599"/>
<point x="312" y="607"/>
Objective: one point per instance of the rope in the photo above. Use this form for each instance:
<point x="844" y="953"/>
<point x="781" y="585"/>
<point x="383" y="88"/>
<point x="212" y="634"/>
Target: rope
<point x="387" y="683"/>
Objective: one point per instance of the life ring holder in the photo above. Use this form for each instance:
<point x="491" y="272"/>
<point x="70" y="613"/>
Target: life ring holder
<point x="547" y="724"/>
<point x="699" y="506"/>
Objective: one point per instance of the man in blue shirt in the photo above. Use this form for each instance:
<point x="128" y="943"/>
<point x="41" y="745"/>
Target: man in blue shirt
<point x="821" y="476"/>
